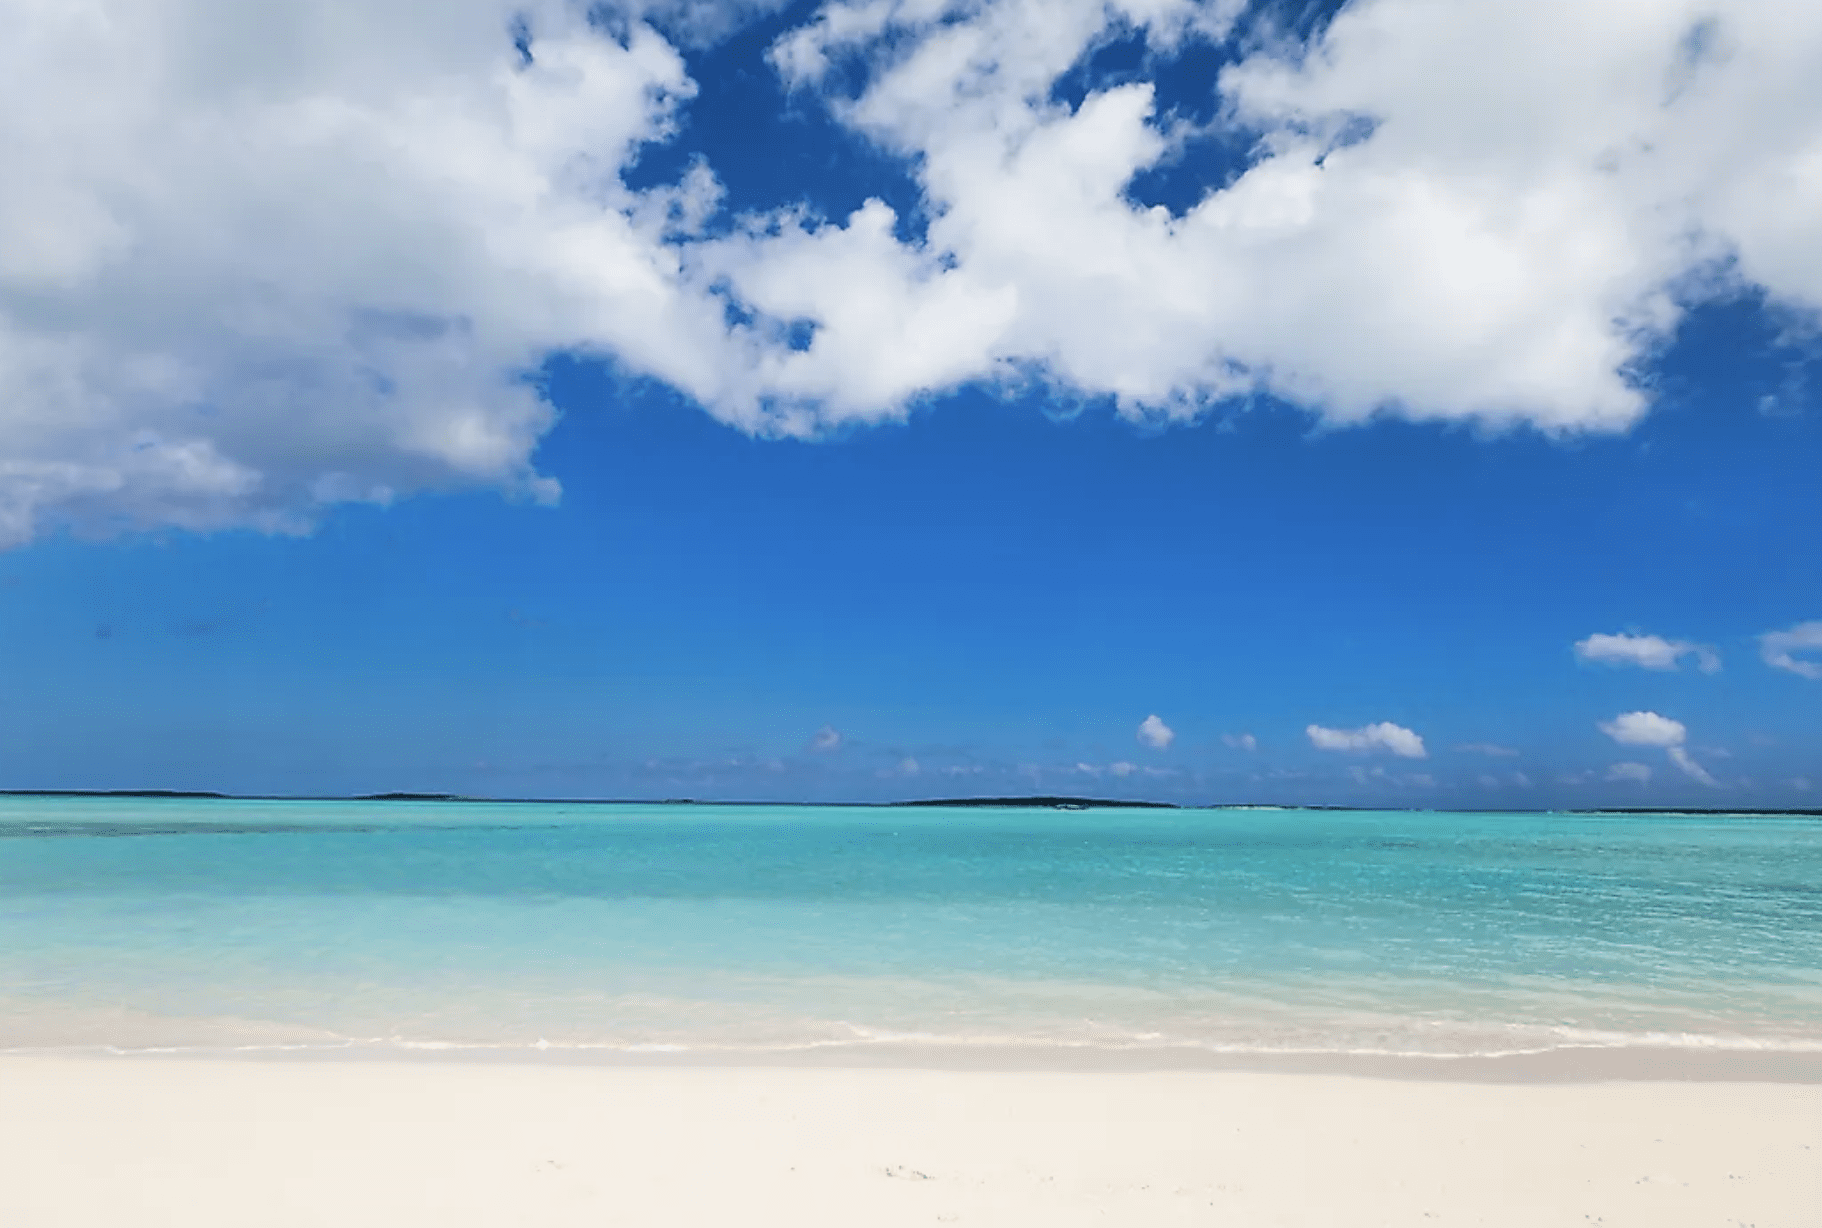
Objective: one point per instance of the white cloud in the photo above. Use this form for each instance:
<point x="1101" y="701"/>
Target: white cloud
<point x="1494" y="248"/>
<point x="1650" y="729"/>
<point x="1155" y="733"/>
<point x="1489" y="749"/>
<point x="1692" y="769"/>
<point x="1635" y="772"/>
<point x="1240" y="741"/>
<point x="1780" y="649"/>
<point x="1646" y="652"/>
<point x="1382" y="736"/>
<point x="908" y="766"/>
<point x="1644" y="729"/>
<point x="828" y="738"/>
<point x="257" y="260"/>
<point x="1122" y="769"/>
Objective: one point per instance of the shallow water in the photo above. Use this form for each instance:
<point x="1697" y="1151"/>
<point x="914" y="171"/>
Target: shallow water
<point x="175" y="923"/>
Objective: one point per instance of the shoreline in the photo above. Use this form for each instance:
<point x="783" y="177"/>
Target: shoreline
<point x="1564" y="1066"/>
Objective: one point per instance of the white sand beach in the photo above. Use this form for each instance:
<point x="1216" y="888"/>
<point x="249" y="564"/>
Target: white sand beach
<point x="112" y="1142"/>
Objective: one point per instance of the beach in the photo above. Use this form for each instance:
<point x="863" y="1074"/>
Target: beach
<point x="357" y="1013"/>
<point x="93" y="1140"/>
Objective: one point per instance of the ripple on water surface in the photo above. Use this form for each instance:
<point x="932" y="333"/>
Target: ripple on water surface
<point x="224" y="922"/>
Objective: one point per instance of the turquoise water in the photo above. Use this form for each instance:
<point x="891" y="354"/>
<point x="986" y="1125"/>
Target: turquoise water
<point x="134" y="924"/>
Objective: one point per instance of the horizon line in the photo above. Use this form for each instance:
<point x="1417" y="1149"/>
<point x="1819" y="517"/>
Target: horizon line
<point x="1031" y="802"/>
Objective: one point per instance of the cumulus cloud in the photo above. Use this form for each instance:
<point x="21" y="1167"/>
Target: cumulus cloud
<point x="1644" y="729"/>
<point x="1780" y="649"/>
<point x="1646" y="652"/>
<point x="1430" y="229"/>
<point x="1638" y="773"/>
<point x="1240" y="741"/>
<point x="256" y="261"/>
<point x="1122" y="769"/>
<point x="1155" y="733"/>
<point x="1490" y="749"/>
<point x="1382" y="736"/>
<point x="1650" y="729"/>
<point x="828" y="738"/>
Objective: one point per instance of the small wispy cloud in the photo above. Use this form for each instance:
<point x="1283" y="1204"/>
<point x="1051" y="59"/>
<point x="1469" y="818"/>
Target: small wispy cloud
<point x="1779" y="649"/>
<point x="1378" y="775"/>
<point x="1240" y="741"/>
<point x="1637" y="773"/>
<point x="1381" y="736"/>
<point x="1490" y="749"/>
<point x="904" y="767"/>
<point x="826" y="739"/>
<point x="1517" y="780"/>
<point x="1646" y="652"/>
<point x="1691" y="768"/>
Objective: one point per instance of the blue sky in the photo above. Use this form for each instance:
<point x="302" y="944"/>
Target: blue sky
<point x="609" y="451"/>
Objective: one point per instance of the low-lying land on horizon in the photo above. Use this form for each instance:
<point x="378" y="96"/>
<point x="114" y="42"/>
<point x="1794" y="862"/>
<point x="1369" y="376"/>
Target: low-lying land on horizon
<point x="1042" y="802"/>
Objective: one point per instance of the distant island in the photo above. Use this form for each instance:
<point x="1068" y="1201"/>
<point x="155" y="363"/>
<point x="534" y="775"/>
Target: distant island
<point x="1040" y="802"/>
<point x="1053" y="803"/>
<point x="174" y="793"/>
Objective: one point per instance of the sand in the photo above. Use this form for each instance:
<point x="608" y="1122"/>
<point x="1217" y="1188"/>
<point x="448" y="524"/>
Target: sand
<point x="129" y="1142"/>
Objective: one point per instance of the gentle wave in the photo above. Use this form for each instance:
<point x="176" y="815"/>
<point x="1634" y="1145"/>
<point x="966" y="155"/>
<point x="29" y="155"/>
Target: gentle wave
<point x="1569" y="1040"/>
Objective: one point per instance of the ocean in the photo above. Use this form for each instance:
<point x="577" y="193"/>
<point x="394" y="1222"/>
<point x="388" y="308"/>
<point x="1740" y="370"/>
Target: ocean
<point x="184" y="924"/>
